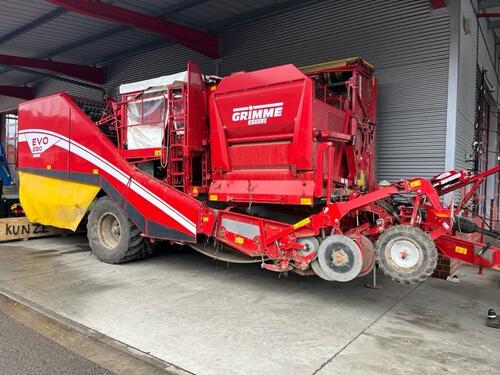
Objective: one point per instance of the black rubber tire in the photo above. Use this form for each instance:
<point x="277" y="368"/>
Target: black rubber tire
<point x="130" y="245"/>
<point x="426" y="248"/>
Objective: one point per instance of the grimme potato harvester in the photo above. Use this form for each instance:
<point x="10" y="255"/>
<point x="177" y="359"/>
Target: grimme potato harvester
<point x="274" y="166"/>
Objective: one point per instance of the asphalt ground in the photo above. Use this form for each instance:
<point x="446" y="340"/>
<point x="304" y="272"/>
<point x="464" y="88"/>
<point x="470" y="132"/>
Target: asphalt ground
<point x="34" y="340"/>
<point x="24" y="351"/>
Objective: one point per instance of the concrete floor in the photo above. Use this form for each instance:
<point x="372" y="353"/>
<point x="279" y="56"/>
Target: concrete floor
<point x="206" y="318"/>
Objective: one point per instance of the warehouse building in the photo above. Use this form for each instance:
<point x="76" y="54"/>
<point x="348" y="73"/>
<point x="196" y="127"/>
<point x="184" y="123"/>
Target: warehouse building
<point x="436" y="65"/>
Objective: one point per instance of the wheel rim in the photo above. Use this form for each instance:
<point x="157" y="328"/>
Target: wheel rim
<point x="109" y="230"/>
<point x="340" y="258"/>
<point x="319" y="271"/>
<point x="404" y="254"/>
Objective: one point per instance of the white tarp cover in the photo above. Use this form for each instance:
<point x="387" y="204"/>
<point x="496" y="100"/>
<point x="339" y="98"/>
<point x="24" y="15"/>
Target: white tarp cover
<point x="153" y="83"/>
<point x="146" y="122"/>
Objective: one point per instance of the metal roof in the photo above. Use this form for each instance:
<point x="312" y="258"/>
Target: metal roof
<point x="39" y="29"/>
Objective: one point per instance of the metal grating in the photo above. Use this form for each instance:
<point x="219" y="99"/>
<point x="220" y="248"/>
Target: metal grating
<point x="323" y="93"/>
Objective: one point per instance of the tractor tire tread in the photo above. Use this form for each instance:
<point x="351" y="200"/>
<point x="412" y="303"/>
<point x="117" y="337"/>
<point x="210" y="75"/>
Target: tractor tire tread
<point x="133" y="247"/>
<point x="427" y="244"/>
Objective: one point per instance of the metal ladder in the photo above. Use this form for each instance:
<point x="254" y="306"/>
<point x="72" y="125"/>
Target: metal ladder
<point x="177" y="174"/>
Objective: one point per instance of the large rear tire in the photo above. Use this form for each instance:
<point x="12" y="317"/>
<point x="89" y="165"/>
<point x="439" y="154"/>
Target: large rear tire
<point x="112" y="237"/>
<point x="406" y="254"/>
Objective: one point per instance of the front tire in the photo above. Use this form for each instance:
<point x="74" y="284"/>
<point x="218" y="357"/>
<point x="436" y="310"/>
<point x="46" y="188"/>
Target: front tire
<point x="112" y="237"/>
<point x="406" y="254"/>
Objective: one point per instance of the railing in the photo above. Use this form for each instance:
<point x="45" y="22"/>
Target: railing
<point x="323" y="93"/>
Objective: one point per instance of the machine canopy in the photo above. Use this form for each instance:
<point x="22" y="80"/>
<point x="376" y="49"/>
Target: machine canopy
<point x="153" y="84"/>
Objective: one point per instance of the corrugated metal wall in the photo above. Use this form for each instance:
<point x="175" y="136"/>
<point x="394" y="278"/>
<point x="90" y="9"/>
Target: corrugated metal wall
<point x="7" y="103"/>
<point x="50" y="86"/>
<point x="488" y="59"/>
<point x="164" y="61"/>
<point x="477" y="49"/>
<point x="466" y="101"/>
<point x="407" y="42"/>
<point x="486" y="53"/>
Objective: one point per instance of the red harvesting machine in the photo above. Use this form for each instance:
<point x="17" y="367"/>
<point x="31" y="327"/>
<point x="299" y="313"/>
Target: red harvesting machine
<point x="274" y="166"/>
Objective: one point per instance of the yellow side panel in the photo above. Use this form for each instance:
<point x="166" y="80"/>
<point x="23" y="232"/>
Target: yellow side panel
<point x="50" y="201"/>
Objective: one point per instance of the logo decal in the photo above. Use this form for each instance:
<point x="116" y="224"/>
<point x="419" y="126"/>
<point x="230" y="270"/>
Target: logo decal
<point x="257" y="114"/>
<point x="39" y="143"/>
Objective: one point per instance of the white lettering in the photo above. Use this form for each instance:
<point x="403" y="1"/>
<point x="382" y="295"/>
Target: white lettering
<point x="258" y="121"/>
<point x="268" y="112"/>
<point x="41" y="144"/>
<point x="258" y="114"/>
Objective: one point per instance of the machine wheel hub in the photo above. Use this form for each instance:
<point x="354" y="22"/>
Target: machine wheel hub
<point x="109" y="230"/>
<point x="339" y="258"/>
<point x="404" y="253"/>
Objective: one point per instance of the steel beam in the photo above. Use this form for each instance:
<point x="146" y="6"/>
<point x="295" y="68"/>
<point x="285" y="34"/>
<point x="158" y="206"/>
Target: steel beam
<point x="171" y="10"/>
<point x="166" y="12"/>
<point x="212" y="28"/>
<point x="436" y="4"/>
<point x="199" y="41"/>
<point x="488" y="15"/>
<point x="21" y="92"/>
<point x="84" y="72"/>
<point x="57" y="77"/>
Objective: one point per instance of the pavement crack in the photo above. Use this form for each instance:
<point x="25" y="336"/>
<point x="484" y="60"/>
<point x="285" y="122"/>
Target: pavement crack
<point x="364" y="330"/>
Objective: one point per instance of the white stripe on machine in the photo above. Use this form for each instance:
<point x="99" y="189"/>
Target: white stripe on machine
<point x="39" y="135"/>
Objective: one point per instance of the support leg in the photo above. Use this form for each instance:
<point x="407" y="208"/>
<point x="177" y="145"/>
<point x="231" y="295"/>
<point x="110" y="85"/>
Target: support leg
<point x="373" y="284"/>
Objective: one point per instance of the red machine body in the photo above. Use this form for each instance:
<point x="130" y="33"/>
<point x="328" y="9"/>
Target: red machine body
<point x="283" y="137"/>
<point x="273" y="166"/>
<point x="57" y="139"/>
